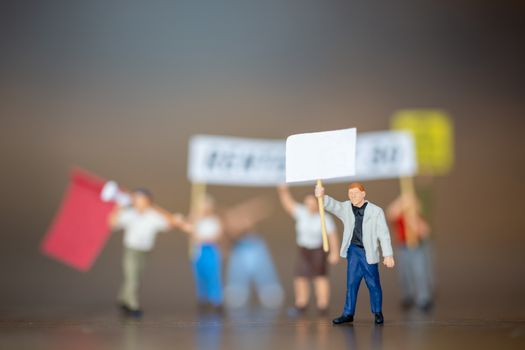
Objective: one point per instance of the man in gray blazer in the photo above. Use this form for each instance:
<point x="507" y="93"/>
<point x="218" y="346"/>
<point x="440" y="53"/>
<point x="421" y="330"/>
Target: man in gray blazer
<point x="365" y="229"/>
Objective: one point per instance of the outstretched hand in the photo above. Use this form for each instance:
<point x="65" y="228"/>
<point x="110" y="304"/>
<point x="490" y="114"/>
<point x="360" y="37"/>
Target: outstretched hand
<point x="178" y="220"/>
<point x="389" y="262"/>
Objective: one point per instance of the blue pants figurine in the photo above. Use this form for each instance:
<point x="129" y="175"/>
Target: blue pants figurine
<point x="207" y="272"/>
<point x="358" y="269"/>
<point x="365" y="230"/>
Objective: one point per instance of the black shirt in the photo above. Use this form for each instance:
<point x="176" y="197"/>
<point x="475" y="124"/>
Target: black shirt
<point x="359" y="213"/>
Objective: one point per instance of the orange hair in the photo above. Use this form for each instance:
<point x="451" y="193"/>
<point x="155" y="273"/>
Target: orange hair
<point x="357" y="185"/>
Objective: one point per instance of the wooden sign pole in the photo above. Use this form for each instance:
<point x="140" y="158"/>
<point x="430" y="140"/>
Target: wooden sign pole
<point x="410" y="211"/>
<point x="320" y="201"/>
<point x="198" y="191"/>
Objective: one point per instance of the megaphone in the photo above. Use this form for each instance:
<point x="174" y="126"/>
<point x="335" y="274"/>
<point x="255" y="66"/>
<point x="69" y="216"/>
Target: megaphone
<point x="112" y="193"/>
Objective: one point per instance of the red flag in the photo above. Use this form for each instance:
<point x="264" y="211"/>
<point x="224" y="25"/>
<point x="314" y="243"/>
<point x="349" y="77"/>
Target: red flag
<point x="80" y="228"/>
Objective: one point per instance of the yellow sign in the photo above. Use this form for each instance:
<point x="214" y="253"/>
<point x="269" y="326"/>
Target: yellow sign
<point x="434" y="135"/>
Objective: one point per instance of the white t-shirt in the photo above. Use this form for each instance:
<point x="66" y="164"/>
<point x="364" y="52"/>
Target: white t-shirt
<point x="308" y="227"/>
<point x="140" y="229"/>
<point x="208" y="229"/>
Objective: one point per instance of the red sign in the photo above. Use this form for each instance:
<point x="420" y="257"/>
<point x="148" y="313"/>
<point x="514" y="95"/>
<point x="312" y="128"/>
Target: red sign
<point x="80" y="228"/>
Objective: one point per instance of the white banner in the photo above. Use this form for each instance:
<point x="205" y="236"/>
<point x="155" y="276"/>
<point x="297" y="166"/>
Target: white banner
<point x="385" y="155"/>
<point x="222" y="160"/>
<point x="327" y="155"/>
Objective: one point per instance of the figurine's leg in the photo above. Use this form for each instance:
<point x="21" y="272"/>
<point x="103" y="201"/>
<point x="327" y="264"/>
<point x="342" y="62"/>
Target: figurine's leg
<point x="141" y="261"/>
<point x="429" y="263"/>
<point x="321" y="282"/>
<point x="123" y="295"/>
<point x="239" y="270"/>
<point x="354" y="274"/>
<point x="302" y="292"/>
<point x="421" y="279"/>
<point x="322" y="292"/>
<point x="133" y="265"/>
<point x="405" y="276"/>
<point x="303" y="273"/>
<point x="371" y="274"/>
<point x="199" y="274"/>
<point x="269" y="288"/>
<point x="214" y="280"/>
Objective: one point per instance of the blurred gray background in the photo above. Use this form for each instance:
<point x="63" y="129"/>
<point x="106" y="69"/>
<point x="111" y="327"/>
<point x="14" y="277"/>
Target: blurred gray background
<point x="118" y="87"/>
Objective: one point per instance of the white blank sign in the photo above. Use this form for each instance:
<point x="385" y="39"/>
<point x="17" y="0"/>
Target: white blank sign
<point x="328" y="155"/>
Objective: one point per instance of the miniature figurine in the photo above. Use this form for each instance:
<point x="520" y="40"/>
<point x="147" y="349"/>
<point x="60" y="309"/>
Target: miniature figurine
<point x="365" y="229"/>
<point x="205" y="230"/>
<point x="405" y="215"/>
<point x="141" y="222"/>
<point x="250" y="262"/>
<point x="311" y="260"/>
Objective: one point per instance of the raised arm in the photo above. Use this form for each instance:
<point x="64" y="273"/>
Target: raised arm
<point x="242" y="217"/>
<point x="114" y="217"/>
<point x="287" y="201"/>
<point x="394" y="210"/>
<point x="169" y="217"/>
<point x="333" y="206"/>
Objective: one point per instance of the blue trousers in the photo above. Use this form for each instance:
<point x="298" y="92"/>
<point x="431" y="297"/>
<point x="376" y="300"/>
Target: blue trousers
<point x="207" y="272"/>
<point x="249" y="263"/>
<point x="358" y="268"/>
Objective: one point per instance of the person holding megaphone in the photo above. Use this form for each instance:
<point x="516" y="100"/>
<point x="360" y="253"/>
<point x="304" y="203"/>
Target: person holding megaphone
<point x="141" y="219"/>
